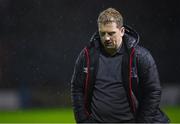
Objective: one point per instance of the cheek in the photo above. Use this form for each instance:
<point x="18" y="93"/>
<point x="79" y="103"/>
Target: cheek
<point x="115" y="39"/>
<point x="102" y="41"/>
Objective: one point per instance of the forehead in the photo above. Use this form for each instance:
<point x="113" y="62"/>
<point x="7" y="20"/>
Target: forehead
<point x="112" y="26"/>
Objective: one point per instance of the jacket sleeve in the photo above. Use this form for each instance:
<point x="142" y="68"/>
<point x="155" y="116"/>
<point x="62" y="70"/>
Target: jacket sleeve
<point x="150" y="87"/>
<point x="77" y="92"/>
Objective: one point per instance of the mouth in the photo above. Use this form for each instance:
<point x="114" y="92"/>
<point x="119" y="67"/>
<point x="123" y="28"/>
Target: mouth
<point x="108" y="44"/>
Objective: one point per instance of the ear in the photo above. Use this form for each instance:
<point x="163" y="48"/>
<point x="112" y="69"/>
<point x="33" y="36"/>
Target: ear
<point x="122" y="30"/>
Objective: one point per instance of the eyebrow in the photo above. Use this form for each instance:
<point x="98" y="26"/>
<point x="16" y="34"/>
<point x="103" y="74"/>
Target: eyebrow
<point x="104" y="32"/>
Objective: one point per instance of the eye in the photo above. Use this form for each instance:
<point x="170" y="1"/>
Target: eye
<point x="111" y="33"/>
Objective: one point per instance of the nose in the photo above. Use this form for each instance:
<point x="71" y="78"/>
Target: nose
<point x="106" y="37"/>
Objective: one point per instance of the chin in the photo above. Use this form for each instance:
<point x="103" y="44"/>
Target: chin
<point x="109" y="47"/>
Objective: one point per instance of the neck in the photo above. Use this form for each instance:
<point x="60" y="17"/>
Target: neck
<point x="111" y="52"/>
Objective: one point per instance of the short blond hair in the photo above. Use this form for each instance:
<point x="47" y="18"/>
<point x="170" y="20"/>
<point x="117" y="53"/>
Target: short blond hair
<point x="110" y="15"/>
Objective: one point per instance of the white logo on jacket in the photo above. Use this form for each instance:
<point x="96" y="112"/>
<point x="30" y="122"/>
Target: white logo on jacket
<point x="85" y="70"/>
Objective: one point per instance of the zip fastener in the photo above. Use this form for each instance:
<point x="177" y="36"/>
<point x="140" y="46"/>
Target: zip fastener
<point x="87" y="80"/>
<point x="130" y="80"/>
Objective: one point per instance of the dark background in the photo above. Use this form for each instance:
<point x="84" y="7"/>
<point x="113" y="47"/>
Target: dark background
<point x="40" y="39"/>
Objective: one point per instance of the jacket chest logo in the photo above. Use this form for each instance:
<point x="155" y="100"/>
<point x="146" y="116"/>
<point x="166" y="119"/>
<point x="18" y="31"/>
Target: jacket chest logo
<point x="85" y="69"/>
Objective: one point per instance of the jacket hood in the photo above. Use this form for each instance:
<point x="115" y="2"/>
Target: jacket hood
<point x="131" y="38"/>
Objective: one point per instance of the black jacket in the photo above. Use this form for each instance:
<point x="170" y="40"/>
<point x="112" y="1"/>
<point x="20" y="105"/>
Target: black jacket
<point x="144" y="99"/>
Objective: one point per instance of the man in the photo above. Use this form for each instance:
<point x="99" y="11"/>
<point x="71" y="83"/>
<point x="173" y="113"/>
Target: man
<point x="114" y="79"/>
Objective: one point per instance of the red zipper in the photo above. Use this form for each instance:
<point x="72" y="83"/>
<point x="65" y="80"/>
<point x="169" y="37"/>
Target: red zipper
<point x="130" y="80"/>
<point x="87" y="80"/>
